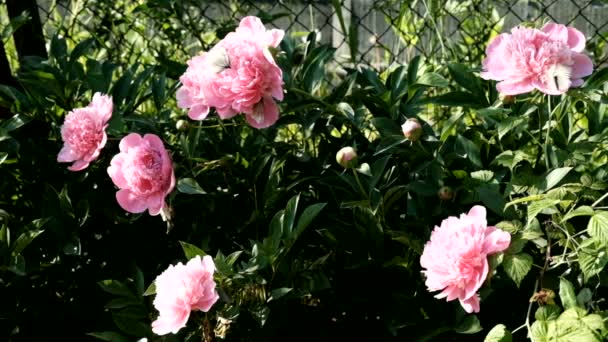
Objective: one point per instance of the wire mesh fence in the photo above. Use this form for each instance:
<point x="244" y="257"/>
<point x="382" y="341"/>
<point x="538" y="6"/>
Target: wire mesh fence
<point x="364" y="32"/>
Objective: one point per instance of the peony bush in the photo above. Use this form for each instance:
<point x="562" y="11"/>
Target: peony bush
<point x="300" y="203"/>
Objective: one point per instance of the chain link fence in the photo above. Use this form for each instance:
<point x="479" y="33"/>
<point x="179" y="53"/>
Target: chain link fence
<point x="364" y="32"/>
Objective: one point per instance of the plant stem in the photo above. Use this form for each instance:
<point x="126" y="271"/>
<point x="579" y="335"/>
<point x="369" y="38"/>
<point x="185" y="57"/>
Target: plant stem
<point x="548" y="123"/>
<point x="599" y="200"/>
<point x="360" y="185"/>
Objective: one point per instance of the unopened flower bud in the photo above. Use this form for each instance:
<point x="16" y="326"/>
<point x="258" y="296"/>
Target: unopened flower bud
<point x="347" y="157"/>
<point x="445" y="193"/>
<point x="507" y="99"/>
<point x="412" y="129"/>
<point x="181" y="125"/>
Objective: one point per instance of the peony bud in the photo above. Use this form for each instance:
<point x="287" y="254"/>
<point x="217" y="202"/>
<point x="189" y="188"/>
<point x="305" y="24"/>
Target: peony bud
<point x="412" y="129"/>
<point x="445" y="193"/>
<point x="347" y="157"/>
<point x="181" y="125"/>
<point x="507" y="99"/>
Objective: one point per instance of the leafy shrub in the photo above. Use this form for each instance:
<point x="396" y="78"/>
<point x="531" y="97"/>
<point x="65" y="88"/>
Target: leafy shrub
<point x="304" y="248"/>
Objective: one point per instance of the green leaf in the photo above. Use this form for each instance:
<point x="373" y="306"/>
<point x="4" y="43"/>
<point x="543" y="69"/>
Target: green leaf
<point x="278" y="293"/>
<point x="572" y="325"/>
<point x="346" y="110"/>
<point x="580" y="211"/>
<point x="584" y="297"/>
<point x="122" y="302"/>
<point x="276" y="229"/>
<point x="499" y="334"/>
<point x="190" y="186"/>
<point x="191" y="251"/>
<point x="466" y="79"/>
<point x="536" y="207"/>
<point x="5" y="235"/>
<point x="138" y="279"/>
<point x="457" y="99"/>
<point x="547" y="312"/>
<point x="290" y="215"/>
<point x="14" y="122"/>
<point x="432" y="79"/>
<point x="150" y="290"/>
<point x="469" y="325"/>
<point x="491" y="198"/>
<point x="115" y="287"/>
<point x="598" y="227"/>
<point x="24" y="240"/>
<point x="412" y="69"/>
<point x="306" y="218"/>
<point x="387" y="127"/>
<point x="450" y="126"/>
<point x="130" y="320"/>
<point x="592" y="258"/>
<point x="470" y="149"/>
<point x="517" y="266"/>
<point x="482" y="175"/>
<point x="110" y="336"/>
<point x="566" y="294"/>
<point x="553" y="178"/>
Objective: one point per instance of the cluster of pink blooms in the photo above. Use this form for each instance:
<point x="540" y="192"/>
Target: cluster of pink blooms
<point x="181" y="289"/>
<point x="143" y="169"/>
<point x="550" y="59"/>
<point x="456" y="257"/>
<point x="238" y="75"/>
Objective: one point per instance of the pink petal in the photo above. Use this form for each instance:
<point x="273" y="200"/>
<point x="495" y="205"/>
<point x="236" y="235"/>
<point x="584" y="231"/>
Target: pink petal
<point x="172" y="324"/>
<point x="131" y="140"/>
<point x="495" y="65"/>
<point x="155" y="204"/>
<point x="576" y="39"/>
<point x="206" y="303"/>
<point x="543" y="88"/>
<point x="66" y="155"/>
<point x="577" y="83"/>
<point x="252" y="23"/>
<point x="496" y="241"/>
<point x="103" y="105"/>
<point x="582" y="66"/>
<point x="208" y="263"/>
<point x="274" y="37"/>
<point x="115" y="171"/>
<point x="479" y="212"/>
<point x="78" y="165"/>
<point x="471" y="287"/>
<point x="510" y="87"/>
<point x="198" y="112"/>
<point x="270" y="115"/>
<point x="184" y="100"/>
<point x="129" y="202"/>
<point x="556" y="32"/>
<point x="471" y="304"/>
<point x="154" y="141"/>
<point x="226" y="113"/>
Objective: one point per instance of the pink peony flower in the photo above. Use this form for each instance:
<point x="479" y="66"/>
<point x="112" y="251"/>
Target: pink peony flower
<point x="181" y="289"/>
<point x="238" y="75"/>
<point x="456" y="257"/>
<point x="144" y="173"/>
<point x="84" y="132"/>
<point x="550" y="60"/>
